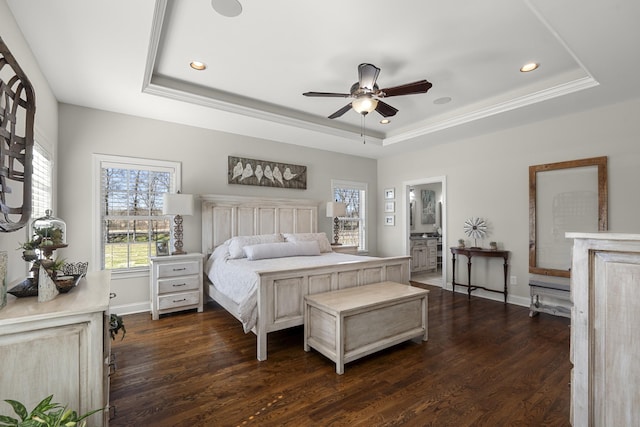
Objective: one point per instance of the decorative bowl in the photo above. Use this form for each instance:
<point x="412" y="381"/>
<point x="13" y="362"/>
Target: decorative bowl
<point x="26" y="288"/>
<point x="65" y="283"/>
<point x="74" y="268"/>
<point x="70" y="275"/>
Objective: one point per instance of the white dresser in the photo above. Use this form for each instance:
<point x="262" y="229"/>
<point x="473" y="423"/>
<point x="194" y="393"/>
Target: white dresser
<point x="59" y="347"/>
<point x="605" y="337"/>
<point x="176" y="283"/>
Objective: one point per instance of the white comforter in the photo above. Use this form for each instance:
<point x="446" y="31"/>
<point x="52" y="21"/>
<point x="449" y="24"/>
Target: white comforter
<point x="238" y="278"/>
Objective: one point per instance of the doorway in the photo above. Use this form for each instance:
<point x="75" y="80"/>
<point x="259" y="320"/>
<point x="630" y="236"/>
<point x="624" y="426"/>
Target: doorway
<point x="424" y="222"/>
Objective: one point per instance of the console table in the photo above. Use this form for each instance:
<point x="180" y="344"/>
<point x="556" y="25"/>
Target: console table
<point x="479" y="252"/>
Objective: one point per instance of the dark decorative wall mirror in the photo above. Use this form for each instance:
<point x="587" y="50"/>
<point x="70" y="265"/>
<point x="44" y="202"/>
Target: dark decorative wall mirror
<point x="17" y="112"/>
<point x="564" y="196"/>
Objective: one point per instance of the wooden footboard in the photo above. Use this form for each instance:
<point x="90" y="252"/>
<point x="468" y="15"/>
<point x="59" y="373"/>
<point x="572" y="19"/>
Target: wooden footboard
<point x="281" y="293"/>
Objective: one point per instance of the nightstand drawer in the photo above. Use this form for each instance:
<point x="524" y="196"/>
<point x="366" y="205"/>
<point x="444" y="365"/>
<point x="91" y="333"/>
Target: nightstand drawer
<point x="184" y="268"/>
<point x="178" y="300"/>
<point x="178" y="284"/>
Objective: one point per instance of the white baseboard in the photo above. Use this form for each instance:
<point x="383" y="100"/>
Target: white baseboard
<point x="130" y="308"/>
<point x="511" y="299"/>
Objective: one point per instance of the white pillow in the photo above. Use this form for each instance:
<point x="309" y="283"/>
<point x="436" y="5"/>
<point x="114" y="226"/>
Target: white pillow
<point x="281" y="250"/>
<point x="321" y="238"/>
<point x="237" y="244"/>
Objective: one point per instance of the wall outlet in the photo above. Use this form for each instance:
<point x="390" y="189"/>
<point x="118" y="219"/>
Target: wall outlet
<point x="514" y="280"/>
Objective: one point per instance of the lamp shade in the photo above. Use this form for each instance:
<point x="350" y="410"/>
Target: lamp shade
<point x="336" y="209"/>
<point x="177" y="204"/>
<point x="364" y="104"/>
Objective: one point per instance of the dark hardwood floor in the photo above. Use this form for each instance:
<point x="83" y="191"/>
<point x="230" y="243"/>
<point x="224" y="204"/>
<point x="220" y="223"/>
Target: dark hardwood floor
<point x="485" y="364"/>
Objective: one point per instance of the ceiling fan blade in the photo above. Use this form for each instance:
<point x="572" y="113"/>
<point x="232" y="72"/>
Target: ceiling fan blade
<point x="327" y="94"/>
<point x="421" y="86"/>
<point x="385" y="109"/>
<point x="367" y="75"/>
<point x="340" y="111"/>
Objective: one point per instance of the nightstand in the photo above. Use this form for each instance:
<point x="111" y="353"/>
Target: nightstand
<point x="345" y="249"/>
<point x="176" y="283"/>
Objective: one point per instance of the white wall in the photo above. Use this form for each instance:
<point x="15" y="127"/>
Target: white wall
<point x="203" y="154"/>
<point x="487" y="176"/>
<point x="45" y="129"/>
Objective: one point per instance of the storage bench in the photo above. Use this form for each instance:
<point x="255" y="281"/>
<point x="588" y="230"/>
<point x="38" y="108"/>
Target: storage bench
<point x="556" y="298"/>
<point x="351" y="323"/>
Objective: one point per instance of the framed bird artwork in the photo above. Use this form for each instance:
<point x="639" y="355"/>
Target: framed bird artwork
<point x="265" y="173"/>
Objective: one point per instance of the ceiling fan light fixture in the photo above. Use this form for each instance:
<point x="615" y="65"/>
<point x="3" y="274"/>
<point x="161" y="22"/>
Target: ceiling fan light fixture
<point x="197" y="65"/>
<point x="364" y="104"/>
<point x="529" y="67"/>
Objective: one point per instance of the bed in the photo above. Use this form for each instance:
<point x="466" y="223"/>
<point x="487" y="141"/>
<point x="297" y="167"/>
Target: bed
<point x="280" y="283"/>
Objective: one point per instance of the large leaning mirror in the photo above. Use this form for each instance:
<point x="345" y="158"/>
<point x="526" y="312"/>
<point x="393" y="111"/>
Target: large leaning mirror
<point x="564" y="196"/>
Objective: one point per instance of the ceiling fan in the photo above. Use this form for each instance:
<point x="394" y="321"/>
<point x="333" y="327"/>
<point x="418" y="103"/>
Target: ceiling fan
<point x="367" y="96"/>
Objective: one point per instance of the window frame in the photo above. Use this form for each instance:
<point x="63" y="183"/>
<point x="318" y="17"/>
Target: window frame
<point x="101" y="161"/>
<point x="363" y="218"/>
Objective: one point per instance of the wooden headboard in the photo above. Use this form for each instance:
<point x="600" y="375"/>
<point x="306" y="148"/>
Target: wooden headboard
<point x="224" y="217"/>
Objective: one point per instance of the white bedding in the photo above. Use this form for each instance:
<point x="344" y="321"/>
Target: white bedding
<point x="238" y="278"/>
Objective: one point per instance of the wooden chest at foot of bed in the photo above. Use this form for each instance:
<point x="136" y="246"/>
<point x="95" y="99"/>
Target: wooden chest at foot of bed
<point x="348" y="324"/>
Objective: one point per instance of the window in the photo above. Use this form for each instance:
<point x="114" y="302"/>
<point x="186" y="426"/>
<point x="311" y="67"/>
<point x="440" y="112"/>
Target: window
<point x="130" y="209"/>
<point x="41" y="182"/>
<point x="353" y="225"/>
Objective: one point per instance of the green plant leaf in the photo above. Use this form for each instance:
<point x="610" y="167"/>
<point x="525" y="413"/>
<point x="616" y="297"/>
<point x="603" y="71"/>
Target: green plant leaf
<point x="18" y="408"/>
<point x="44" y="406"/>
<point x="45" y="414"/>
<point x="6" y="421"/>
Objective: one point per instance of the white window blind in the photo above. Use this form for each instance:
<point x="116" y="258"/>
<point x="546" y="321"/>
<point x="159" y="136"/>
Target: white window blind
<point x="353" y="224"/>
<point x="130" y="209"/>
<point x="42" y="181"/>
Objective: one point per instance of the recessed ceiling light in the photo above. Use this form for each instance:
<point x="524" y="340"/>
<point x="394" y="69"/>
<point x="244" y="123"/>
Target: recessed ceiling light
<point x="197" y="65"/>
<point x="385" y="121"/>
<point x="443" y="100"/>
<point x="529" y="67"/>
<point x="228" y="8"/>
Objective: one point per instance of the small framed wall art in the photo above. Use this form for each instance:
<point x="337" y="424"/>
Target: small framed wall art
<point x="389" y="193"/>
<point x="390" y="220"/>
<point x="390" y="207"/>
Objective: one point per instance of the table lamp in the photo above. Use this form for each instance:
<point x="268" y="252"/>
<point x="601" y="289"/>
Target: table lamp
<point x="177" y="204"/>
<point x="335" y="210"/>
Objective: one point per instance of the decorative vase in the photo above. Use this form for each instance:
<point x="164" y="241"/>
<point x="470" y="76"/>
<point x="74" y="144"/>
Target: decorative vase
<point x="3" y="276"/>
<point x="47" y="289"/>
<point x="461" y="243"/>
<point x="493" y="246"/>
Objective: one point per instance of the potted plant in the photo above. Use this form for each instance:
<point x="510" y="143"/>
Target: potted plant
<point x="50" y="235"/>
<point x="461" y="243"/>
<point x="115" y="324"/>
<point x="45" y="414"/>
<point x="29" y="250"/>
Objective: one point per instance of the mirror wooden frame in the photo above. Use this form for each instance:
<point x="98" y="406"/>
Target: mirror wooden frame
<point x="601" y="164"/>
<point x="17" y="115"/>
